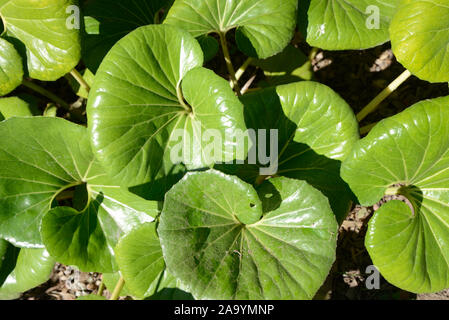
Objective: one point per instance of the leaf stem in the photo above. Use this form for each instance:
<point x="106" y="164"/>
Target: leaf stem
<point x="228" y="61"/>
<point x="79" y="78"/>
<point x="243" y="68"/>
<point x="372" y="106"/>
<point x="101" y="288"/>
<point x="118" y="288"/>
<point x="181" y="99"/>
<point x="35" y="87"/>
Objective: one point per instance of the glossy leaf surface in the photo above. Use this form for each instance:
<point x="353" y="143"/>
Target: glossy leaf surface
<point x="265" y="26"/>
<point x="345" y="24"/>
<point x="411" y="150"/>
<point x="420" y="38"/>
<point x="137" y="114"/>
<point x="11" y="69"/>
<point x="224" y="242"/>
<point x="46" y="33"/>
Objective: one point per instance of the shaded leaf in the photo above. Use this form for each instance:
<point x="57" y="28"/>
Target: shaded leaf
<point x="209" y="46"/>
<point x="291" y="65"/>
<point x="107" y="21"/>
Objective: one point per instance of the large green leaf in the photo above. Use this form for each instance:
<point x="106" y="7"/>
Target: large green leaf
<point x="420" y="38"/>
<point x="345" y="24"/>
<point x="39" y="158"/>
<point x="223" y="242"/>
<point x="28" y="269"/>
<point x="107" y="21"/>
<point x="407" y="154"/>
<point x="40" y="30"/>
<point x="316" y="130"/>
<point x="139" y="257"/>
<point x="137" y="103"/>
<point x="11" y="69"/>
<point x="265" y="26"/>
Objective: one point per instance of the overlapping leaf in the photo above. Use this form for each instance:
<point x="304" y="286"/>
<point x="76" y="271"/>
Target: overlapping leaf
<point x="108" y="21"/>
<point x="42" y="31"/>
<point x="316" y="129"/>
<point x="408" y="152"/>
<point x="24" y="269"/>
<point x="151" y="102"/>
<point x="11" y="69"/>
<point x="264" y="26"/>
<point x="223" y="242"/>
<point x="39" y="158"/>
<point x="345" y="24"/>
<point x="420" y="38"/>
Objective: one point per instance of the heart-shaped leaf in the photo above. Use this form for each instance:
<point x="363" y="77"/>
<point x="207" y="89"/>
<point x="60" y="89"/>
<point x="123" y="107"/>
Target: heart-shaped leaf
<point x="316" y="129"/>
<point x="42" y="30"/>
<point x="407" y="154"/>
<point x="41" y="157"/>
<point x="139" y="256"/>
<point x="265" y="27"/>
<point x="137" y="112"/>
<point x="27" y="268"/>
<point x="420" y="38"/>
<point x="11" y="69"/>
<point x="107" y="21"/>
<point x="223" y="242"/>
<point x="345" y="24"/>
